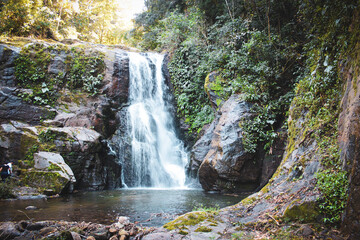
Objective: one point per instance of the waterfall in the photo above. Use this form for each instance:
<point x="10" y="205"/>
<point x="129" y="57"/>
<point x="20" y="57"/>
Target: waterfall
<point x="158" y="157"/>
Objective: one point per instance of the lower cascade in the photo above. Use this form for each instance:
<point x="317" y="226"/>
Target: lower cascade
<point x="158" y="156"/>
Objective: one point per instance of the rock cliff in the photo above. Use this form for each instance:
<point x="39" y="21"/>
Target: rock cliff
<point x="219" y="159"/>
<point x="68" y="114"/>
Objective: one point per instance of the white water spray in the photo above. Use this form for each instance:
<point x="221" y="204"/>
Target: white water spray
<point x="158" y="157"/>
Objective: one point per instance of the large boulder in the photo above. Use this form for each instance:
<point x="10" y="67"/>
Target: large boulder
<point x="219" y="159"/>
<point x="225" y="165"/>
<point x="50" y="173"/>
<point x="50" y="160"/>
<point x="88" y="157"/>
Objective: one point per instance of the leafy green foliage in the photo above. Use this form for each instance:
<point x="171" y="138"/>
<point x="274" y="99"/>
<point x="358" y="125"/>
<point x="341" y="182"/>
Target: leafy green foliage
<point x="263" y="68"/>
<point x="318" y="97"/>
<point x="146" y="32"/>
<point x="192" y="102"/>
<point x="82" y="70"/>
<point x="333" y="186"/>
<point x="47" y="136"/>
<point x="86" y="71"/>
<point x="92" y="21"/>
<point x="28" y="161"/>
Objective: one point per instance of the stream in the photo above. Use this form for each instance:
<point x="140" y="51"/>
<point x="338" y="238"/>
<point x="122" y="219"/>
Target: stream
<point x="149" y="207"/>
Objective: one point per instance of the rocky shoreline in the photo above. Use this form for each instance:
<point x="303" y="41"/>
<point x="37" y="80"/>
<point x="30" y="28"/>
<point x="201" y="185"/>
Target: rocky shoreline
<point x="64" y="230"/>
<point x="123" y="229"/>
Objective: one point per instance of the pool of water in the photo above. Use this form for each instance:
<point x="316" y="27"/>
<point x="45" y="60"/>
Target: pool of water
<point x="149" y="207"/>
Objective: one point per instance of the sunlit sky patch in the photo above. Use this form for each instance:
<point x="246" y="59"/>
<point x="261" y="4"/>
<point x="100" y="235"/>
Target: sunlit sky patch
<point x="129" y="8"/>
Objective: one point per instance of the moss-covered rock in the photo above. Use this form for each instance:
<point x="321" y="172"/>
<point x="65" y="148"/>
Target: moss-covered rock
<point x="203" y="229"/>
<point x="190" y="219"/>
<point x="45" y="180"/>
<point x="304" y="212"/>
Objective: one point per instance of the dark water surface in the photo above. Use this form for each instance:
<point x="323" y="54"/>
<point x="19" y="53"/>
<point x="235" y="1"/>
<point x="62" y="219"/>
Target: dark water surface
<point x="150" y="207"/>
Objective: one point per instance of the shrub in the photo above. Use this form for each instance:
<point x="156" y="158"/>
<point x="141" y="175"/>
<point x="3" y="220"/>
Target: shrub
<point x="6" y="189"/>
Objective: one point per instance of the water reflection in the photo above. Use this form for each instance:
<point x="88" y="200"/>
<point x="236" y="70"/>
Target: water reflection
<point x="150" y="207"/>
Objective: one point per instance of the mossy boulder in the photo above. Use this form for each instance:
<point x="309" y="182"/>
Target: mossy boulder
<point x="49" y="181"/>
<point x="219" y="155"/>
<point x="53" y="162"/>
<point x="190" y="219"/>
<point x="302" y="211"/>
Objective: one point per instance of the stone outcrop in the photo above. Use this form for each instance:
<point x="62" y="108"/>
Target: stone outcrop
<point x="349" y="142"/>
<point x="12" y="107"/>
<point x="225" y="161"/>
<point x="220" y="159"/>
<point x="54" y="163"/>
<point x="79" y="122"/>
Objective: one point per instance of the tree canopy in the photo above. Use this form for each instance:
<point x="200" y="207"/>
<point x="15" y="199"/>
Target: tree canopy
<point x="97" y="21"/>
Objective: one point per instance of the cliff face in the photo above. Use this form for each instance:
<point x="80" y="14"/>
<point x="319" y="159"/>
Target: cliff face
<point x="55" y="117"/>
<point x="219" y="157"/>
<point x="349" y="139"/>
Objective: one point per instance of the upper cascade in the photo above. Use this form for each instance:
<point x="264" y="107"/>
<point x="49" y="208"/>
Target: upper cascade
<point x="158" y="156"/>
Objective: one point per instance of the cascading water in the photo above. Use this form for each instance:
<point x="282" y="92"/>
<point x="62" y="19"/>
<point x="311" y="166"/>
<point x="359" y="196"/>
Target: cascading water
<point x="158" y="157"/>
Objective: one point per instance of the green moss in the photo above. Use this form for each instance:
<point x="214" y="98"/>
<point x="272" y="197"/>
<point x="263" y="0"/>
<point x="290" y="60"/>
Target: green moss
<point x="354" y="85"/>
<point x="206" y="85"/>
<point x="27" y="141"/>
<point x="248" y="201"/>
<point x="44" y="180"/>
<point x="304" y="212"/>
<point x="54" y="167"/>
<point x="203" y="229"/>
<point x="29" y="157"/>
<point x="15" y="41"/>
<point x="265" y="189"/>
<point x="182" y="232"/>
<point x="189" y="219"/>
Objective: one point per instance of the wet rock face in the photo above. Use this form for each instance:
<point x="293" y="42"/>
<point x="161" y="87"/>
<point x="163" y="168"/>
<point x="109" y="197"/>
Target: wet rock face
<point x="115" y="92"/>
<point x="349" y="142"/>
<point x="220" y="153"/>
<point x="116" y="78"/>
